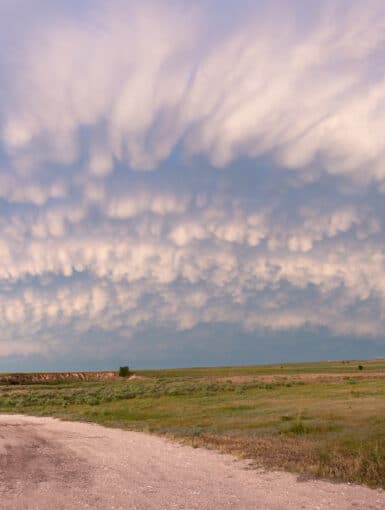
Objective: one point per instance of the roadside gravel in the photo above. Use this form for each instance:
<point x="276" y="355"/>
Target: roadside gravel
<point x="47" y="463"/>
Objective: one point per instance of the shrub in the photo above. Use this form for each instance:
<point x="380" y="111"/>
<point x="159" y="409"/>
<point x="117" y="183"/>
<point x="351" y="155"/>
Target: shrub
<point x="360" y="367"/>
<point x="299" y="428"/>
<point x="124" y="372"/>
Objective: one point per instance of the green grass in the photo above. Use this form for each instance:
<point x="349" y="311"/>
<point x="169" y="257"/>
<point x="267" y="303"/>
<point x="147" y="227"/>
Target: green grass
<point x="327" y="367"/>
<point x="280" y="417"/>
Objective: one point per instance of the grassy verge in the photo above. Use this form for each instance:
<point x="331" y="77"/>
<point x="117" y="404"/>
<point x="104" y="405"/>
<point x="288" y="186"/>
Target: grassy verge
<point x="330" y="425"/>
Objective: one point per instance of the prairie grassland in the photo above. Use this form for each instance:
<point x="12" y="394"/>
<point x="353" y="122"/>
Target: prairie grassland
<point x="320" y="419"/>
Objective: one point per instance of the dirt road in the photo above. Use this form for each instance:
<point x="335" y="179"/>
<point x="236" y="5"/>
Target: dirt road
<point x="50" y="464"/>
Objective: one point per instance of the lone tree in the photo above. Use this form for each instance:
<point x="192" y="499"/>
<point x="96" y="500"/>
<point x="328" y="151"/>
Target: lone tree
<point x="124" y="372"/>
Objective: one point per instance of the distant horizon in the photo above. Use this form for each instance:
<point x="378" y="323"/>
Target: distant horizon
<point x="186" y="367"/>
<point x="302" y="362"/>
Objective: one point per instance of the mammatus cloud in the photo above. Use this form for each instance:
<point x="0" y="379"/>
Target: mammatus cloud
<point x="144" y="77"/>
<point x="287" y="98"/>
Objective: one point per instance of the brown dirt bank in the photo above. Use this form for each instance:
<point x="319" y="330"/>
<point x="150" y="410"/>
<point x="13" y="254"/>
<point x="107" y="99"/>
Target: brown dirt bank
<point x="55" y="377"/>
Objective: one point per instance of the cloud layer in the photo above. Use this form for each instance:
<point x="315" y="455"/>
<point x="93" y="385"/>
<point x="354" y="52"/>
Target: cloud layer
<point x="175" y="167"/>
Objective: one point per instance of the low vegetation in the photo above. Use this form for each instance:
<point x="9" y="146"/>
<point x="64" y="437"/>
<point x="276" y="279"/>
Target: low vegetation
<point x="325" y="419"/>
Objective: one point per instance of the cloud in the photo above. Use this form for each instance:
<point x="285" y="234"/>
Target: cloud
<point x="262" y="128"/>
<point x="315" y="273"/>
<point x="143" y="78"/>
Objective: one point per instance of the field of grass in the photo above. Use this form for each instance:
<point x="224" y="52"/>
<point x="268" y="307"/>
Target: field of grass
<point x="325" y="419"/>
<point x="323" y="367"/>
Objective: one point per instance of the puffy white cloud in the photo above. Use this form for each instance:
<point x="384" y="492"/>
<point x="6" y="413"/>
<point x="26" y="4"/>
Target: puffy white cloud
<point x="133" y="280"/>
<point x="286" y="99"/>
<point x="129" y="206"/>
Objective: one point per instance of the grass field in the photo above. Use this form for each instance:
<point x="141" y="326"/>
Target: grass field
<point x="325" y="419"/>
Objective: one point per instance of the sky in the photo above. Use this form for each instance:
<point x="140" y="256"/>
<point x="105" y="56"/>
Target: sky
<point x="191" y="183"/>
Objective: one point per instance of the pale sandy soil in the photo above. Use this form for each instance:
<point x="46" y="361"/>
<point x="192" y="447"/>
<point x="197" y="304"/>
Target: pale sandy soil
<point x="50" y="464"/>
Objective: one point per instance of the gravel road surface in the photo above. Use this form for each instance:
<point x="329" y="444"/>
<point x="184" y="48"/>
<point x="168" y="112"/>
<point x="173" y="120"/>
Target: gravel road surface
<point x="51" y="464"/>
